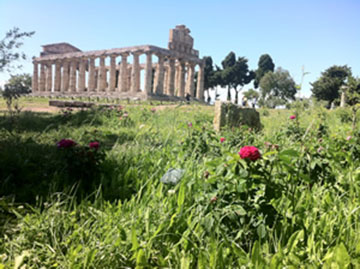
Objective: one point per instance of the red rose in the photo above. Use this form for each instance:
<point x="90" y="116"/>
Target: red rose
<point x="250" y="152"/>
<point x="94" y="145"/>
<point x="65" y="143"/>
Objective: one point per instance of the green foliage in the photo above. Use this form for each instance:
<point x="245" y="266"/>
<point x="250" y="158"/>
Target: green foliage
<point x="276" y="88"/>
<point x="297" y="206"/>
<point x="8" y="48"/>
<point x="265" y="65"/>
<point x="327" y="87"/>
<point x="17" y="86"/>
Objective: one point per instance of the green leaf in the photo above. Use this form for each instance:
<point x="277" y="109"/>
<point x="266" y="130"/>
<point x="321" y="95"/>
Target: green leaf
<point x="181" y="196"/>
<point x="289" y="152"/>
<point x="134" y="241"/>
<point x="261" y="231"/>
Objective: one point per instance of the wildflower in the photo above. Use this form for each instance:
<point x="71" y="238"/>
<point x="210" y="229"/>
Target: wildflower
<point x="126" y="115"/>
<point x="250" y="152"/>
<point x="222" y="139"/>
<point x="275" y="147"/>
<point x="267" y="144"/>
<point x="190" y="124"/>
<point x="206" y="174"/>
<point x="153" y="110"/>
<point x="320" y="149"/>
<point x="94" y="145"/>
<point x="213" y="199"/>
<point x="65" y="143"/>
<point x="349" y="137"/>
<point x="292" y="117"/>
<point x="120" y="108"/>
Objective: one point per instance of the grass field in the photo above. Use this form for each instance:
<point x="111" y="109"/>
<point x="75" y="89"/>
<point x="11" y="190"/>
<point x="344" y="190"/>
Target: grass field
<point x="81" y="205"/>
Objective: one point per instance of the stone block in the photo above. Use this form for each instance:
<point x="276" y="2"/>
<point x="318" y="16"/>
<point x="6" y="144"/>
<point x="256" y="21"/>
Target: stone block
<point x="231" y="115"/>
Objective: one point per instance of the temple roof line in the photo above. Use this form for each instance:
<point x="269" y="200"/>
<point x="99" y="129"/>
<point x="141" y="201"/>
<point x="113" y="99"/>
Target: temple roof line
<point x="193" y="57"/>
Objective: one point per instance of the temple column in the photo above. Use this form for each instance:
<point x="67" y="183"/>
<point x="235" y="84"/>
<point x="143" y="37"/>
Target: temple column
<point x="135" y="73"/>
<point x="128" y="78"/>
<point x="159" y="76"/>
<point x="57" y="82"/>
<point x="81" y="76"/>
<point x="171" y="77"/>
<point x="48" y="77"/>
<point x="200" y="83"/>
<point x="35" y="78"/>
<point x="166" y="78"/>
<point x="182" y="79"/>
<point x="190" y="85"/>
<point x="112" y="73"/>
<point x="102" y="75"/>
<point x="177" y="79"/>
<point x="123" y="72"/>
<point x="91" y="76"/>
<point x="148" y="72"/>
<point x="65" y="76"/>
<point x="73" y="75"/>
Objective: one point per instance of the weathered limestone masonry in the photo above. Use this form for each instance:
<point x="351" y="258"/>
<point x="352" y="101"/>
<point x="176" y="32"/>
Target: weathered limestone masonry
<point x="64" y="70"/>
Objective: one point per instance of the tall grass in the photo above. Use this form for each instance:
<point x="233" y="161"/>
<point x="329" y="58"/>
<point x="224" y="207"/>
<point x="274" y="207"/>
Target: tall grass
<point x="297" y="206"/>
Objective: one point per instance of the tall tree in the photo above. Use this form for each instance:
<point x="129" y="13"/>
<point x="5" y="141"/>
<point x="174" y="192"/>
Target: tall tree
<point x="9" y="46"/>
<point x="277" y="88"/>
<point x="241" y="76"/>
<point x="227" y="72"/>
<point x="265" y="65"/>
<point x="327" y="87"/>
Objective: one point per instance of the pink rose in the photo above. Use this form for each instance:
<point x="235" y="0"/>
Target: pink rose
<point x="65" y="143"/>
<point x="250" y="152"/>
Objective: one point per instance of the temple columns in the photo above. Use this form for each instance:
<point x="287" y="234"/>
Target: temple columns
<point x="65" y="76"/>
<point x="91" y="76"/>
<point x="35" y="78"/>
<point x="48" y="77"/>
<point x="159" y="76"/>
<point x="123" y="72"/>
<point x="57" y="80"/>
<point x="81" y="77"/>
<point x="171" y="78"/>
<point x="112" y="73"/>
<point x="73" y="75"/>
<point x="148" y="72"/>
<point x="200" y="83"/>
<point x="190" y="85"/>
<point x="135" y="73"/>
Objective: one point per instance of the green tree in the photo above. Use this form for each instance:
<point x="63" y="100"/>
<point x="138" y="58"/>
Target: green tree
<point x="265" y="65"/>
<point x="277" y="88"/>
<point x="9" y="46"/>
<point x="327" y="87"/>
<point x="241" y="76"/>
<point x="228" y="72"/>
<point x="252" y="94"/>
<point x="17" y="86"/>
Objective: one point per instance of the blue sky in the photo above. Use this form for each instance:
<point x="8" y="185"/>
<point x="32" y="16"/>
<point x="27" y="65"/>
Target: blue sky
<point x="314" y="34"/>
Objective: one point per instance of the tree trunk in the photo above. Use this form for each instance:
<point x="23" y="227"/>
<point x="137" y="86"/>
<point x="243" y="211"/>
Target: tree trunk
<point x="229" y="94"/>
<point x="236" y="97"/>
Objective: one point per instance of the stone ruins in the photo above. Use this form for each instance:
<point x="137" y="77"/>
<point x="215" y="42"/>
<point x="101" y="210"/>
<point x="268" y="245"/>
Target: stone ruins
<point x="67" y="71"/>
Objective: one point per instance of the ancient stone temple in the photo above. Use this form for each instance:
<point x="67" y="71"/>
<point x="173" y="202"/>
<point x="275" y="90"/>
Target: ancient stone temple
<point x="165" y="74"/>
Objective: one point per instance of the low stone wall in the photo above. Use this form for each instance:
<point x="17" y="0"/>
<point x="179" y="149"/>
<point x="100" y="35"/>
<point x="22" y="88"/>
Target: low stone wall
<point x="231" y="115"/>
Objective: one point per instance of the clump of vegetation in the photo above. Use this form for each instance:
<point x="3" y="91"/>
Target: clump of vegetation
<point x="71" y="186"/>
